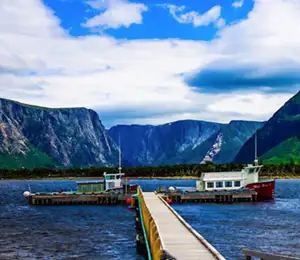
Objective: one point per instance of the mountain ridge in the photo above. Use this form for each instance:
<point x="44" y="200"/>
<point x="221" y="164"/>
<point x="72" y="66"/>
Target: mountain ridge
<point x="283" y="125"/>
<point x="182" y="141"/>
<point x="70" y="136"/>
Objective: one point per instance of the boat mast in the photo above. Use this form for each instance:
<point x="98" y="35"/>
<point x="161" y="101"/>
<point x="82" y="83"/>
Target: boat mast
<point x="120" y="167"/>
<point x="255" y="155"/>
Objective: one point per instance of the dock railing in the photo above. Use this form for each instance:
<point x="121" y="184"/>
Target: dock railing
<point x="153" y="242"/>
<point x="203" y="241"/>
<point x="265" y="256"/>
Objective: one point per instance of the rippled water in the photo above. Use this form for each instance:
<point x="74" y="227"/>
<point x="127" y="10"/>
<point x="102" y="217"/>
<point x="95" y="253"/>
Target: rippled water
<point x="107" y="232"/>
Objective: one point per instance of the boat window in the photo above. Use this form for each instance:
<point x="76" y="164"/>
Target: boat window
<point x="237" y="184"/>
<point x="210" y="185"/>
<point x="251" y="170"/>
<point x="219" y="184"/>
<point x="228" y="183"/>
<point x="118" y="177"/>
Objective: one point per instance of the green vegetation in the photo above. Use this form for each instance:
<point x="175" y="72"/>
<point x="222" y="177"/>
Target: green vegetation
<point x="34" y="158"/>
<point x="286" y="152"/>
<point x="173" y="171"/>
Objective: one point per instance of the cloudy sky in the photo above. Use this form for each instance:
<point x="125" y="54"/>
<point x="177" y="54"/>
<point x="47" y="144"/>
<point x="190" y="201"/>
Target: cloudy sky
<point x="152" y="61"/>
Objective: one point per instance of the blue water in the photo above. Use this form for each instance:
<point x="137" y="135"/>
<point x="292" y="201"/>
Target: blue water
<point x="107" y="232"/>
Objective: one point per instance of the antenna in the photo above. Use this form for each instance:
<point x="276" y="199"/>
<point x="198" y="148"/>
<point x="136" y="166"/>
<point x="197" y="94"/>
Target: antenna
<point x="255" y="155"/>
<point x="120" y="167"/>
<point x="28" y="186"/>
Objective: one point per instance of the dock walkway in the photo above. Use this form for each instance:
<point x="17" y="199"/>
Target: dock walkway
<point x="177" y="238"/>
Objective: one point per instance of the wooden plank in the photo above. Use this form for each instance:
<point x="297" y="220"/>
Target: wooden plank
<point x="176" y="238"/>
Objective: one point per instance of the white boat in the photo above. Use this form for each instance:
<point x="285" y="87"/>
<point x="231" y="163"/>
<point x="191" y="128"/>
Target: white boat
<point x="234" y="180"/>
<point x="214" y="181"/>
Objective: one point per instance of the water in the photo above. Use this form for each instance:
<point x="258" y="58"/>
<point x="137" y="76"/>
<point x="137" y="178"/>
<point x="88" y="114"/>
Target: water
<point x="62" y="232"/>
<point x="107" y="232"/>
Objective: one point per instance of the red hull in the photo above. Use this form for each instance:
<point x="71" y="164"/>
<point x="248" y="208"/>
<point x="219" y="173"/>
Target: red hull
<point x="264" y="189"/>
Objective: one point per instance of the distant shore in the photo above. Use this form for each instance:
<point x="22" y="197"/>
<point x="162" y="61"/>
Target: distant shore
<point x="140" y="178"/>
<point x="280" y="177"/>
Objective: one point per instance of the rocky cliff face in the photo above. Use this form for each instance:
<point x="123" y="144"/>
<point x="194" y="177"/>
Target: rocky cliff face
<point x="278" y="139"/>
<point x="187" y="141"/>
<point x="71" y="136"/>
<point x="227" y="142"/>
<point x="156" y="145"/>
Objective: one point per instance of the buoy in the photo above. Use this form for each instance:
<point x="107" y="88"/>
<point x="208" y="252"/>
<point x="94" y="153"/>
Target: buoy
<point x="128" y="201"/>
<point x="26" y="194"/>
<point x="169" y="201"/>
<point x="171" y="189"/>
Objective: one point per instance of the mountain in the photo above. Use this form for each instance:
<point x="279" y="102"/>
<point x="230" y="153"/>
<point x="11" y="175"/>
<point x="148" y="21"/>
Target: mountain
<point x="279" y="139"/>
<point x="33" y="136"/>
<point x="182" y="142"/>
<point x="155" y="145"/>
<point x="227" y="142"/>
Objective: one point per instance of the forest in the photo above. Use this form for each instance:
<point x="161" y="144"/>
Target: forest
<point x="172" y="171"/>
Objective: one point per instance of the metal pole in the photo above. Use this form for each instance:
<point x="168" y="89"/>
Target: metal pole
<point x="28" y="186"/>
<point x="255" y="145"/>
<point x="120" y="167"/>
<point x="255" y="159"/>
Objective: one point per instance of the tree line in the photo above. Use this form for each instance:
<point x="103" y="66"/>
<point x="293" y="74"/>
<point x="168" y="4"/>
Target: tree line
<point x="184" y="170"/>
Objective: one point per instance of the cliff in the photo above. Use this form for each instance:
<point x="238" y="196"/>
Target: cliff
<point x="66" y="136"/>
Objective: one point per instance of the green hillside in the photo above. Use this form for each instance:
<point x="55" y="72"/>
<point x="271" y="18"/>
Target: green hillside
<point x="286" y="152"/>
<point x="278" y="139"/>
<point x="33" y="159"/>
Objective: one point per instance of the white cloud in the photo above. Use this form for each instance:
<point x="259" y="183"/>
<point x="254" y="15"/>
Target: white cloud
<point x="117" y="13"/>
<point x="220" y="23"/>
<point x="277" y="37"/>
<point x="250" y="105"/>
<point x="131" y="80"/>
<point x="211" y="16"/>
<point x="17" y="17"/>
<point x="238" y="4"/>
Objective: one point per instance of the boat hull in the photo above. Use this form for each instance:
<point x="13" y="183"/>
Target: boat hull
<point x="265" y="190"/>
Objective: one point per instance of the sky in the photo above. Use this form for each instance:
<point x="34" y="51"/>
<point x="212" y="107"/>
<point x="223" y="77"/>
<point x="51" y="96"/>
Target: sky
<point x="152" y="61"/>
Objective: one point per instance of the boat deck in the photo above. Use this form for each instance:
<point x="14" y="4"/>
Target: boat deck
<point x="215" y="197"/>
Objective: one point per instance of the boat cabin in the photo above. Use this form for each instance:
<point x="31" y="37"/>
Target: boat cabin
<point x="113" y="180"/>
<point x="90" y="186"/>
<point x="212" y="181"/>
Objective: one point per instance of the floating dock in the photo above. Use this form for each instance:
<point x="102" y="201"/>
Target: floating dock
<point x="213" y="197"/>
<point x="79" y="198"/>
<point x="110" y="191"/>
<point x="121" y="197"/>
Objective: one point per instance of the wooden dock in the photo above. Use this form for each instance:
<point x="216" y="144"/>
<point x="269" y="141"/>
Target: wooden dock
<point x="168" y="235"/>
<point x="78" y="199"/>
<point x="214" y="197"/>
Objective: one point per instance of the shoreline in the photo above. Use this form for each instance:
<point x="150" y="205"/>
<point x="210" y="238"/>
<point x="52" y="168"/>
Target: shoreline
<point x="137" y="178"/>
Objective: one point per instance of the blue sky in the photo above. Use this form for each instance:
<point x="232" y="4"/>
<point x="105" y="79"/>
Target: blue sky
<point x="157" y="21"/>
<point x="152" y="62"/>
